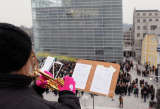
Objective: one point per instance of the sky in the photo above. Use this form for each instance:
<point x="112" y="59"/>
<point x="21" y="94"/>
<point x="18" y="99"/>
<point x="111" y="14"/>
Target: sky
<point x="19" y="12"/>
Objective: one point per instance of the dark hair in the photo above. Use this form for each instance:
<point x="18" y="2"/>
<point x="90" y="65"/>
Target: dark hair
<point x="158" y="99"/>
<point x="15" y="48"/>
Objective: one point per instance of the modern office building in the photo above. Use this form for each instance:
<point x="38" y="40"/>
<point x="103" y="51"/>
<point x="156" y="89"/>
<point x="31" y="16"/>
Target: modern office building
<point x="144" y="22"/>
<point x="87" y="29"/>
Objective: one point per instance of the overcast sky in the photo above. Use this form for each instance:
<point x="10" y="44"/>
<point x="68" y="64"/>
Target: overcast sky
<point x="18" y="12"/>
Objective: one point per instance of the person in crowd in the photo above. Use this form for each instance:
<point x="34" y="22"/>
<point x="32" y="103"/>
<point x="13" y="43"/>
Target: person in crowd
<point x="120" y="101"/>
<point x="131" y="64"/>
<point x="136" y="92"/>
<point x="148" y="89"/>
<point x="156" y="74"/>
<point x="152" y="93"/>
<point x="153" y="69"/>
<point x="158" y="99"/>
<point x="125" y="88"/>
<point x="141" y="82"/>
<point x="117" y="91"/>
<point x="145" y="93"/>
<point x="146" y="66"/>
<point x="121" y="89"/>
<point x="129" y="89"/>
<point x="143" y="73"/>
<point x="82" y="93"/>
<point x="142" y="93"/>
<point x="16" y="91"/>
<point x="136" y="80"/>
<point x="138" y="72"/>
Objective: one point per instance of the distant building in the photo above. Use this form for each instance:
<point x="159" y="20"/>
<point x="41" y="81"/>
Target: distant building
<point x="149" y="50"/>
<point x="144" y="22"/>
<point x="128" y="43"/>
<point x="87" y="29"/>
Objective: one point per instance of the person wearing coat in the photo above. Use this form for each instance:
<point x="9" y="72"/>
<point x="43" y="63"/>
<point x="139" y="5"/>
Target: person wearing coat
<point x="19" y="90"/>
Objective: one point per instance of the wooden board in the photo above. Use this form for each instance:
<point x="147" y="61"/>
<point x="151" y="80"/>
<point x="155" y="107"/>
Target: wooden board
<point x="92" y="72"/>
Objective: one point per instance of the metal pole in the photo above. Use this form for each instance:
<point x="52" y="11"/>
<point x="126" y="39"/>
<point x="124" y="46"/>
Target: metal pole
<point x="93" y="101"/>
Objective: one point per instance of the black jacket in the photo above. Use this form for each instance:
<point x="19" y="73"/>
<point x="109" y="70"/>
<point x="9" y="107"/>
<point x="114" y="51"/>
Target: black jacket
<point x="15" y="93"/>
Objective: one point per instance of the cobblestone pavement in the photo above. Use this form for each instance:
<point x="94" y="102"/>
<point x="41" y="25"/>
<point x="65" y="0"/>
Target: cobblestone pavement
<point x="101" y="102"/>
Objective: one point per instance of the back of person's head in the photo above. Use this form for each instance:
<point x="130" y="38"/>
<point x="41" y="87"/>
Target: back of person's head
<point x="15" y="48"/>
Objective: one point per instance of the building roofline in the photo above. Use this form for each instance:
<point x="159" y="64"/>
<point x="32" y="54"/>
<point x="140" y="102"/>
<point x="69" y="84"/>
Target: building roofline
<point x="147" y="11"/>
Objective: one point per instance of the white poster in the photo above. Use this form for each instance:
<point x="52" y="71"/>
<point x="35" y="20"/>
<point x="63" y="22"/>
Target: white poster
<point x="80" y="75"/>
<point x="48" y="64"/>
<point x="102" y="79"/>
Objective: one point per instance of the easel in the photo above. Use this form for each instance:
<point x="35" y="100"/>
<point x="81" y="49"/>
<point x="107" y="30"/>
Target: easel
<point x="92" y="96"/>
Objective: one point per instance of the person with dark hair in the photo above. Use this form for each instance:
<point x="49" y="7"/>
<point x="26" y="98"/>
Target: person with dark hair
<point x="16" y="91"/>
<point x="125" y="89"/>
<point x="158" y="99"/>
<point x="142" y="93"/>
<point x="137" y="91"/>
<point x="156" y="74"/>
<point x="136" y="80"/>
<point x="145" y="93"/>
<point x="152" y="93"/>
<point x="129" y="89"/>
<point x="120" y="101"/>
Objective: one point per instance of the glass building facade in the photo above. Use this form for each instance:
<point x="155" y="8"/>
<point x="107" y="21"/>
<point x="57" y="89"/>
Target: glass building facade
<point x="86" y="29"/>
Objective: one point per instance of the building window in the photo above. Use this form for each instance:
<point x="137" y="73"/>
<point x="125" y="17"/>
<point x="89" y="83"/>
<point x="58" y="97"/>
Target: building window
<point x="144" y="27"/>
<point x="156" y="14"/>
<point x="138" y="35"/>
<point x="99" y="52"/>
<point x="157" y="20"/>
<point x="153" y="27"/>
<point x="138" y="14"/>
<point x="138" y="27"/>
<point x="144" y="20"/>
<point x="144" y="14"/>
<point x="150" y="20"/>
<point x="150" y="14"/>
<point x="138" y="20"/>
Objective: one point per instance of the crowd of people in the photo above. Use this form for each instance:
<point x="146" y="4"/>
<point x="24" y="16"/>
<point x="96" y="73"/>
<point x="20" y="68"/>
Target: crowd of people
<point x="61" y="67"/>
<point x="67" y="68"/>
<point x="127" y="86"/>
<point x="147" y="71"/>
<point x="124" y="79"/>
<point x="20" y="90"/>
